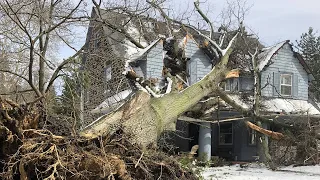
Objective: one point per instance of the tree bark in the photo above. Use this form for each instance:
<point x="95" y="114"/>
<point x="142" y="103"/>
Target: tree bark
<point x="146" y="118"/>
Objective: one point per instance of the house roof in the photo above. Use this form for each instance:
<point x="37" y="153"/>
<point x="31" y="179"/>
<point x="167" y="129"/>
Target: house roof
<point x="139" y="54"/>
<point x="267" y="53"/>
<point x="142" y="52"/>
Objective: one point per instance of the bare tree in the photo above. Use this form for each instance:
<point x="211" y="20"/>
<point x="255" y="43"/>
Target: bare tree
<point x="32" y="28"/>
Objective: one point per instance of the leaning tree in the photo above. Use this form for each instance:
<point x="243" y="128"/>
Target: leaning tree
<point x="147" y="115"/>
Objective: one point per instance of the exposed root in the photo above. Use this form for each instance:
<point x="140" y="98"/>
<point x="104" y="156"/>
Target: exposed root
<point x="45" y="156"/>
<point x="30" y="153"/>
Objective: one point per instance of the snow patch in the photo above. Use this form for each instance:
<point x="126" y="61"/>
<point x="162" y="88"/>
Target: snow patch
<point x="267" y="53"/>
<point x="258" y="172"/>
<point x="281" y="105"/>
<point x="290" y="106"/>
<point x="112" y="102"/>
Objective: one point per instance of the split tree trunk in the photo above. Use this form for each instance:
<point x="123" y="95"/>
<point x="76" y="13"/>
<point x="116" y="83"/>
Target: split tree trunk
<point x="147" y="118"/>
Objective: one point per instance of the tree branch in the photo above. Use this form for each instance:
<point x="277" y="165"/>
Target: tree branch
<point x="163" y="14"/>
<point x="60" y="67"/>
<point x="196" y="5"/>
<point x="113" y="27"/>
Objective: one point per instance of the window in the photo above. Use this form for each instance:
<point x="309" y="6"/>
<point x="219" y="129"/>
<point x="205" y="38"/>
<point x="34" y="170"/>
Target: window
<point x="225" y="134"/>
<point x="108" y="72"/>
<point x="86" y="96"/>
<point x="252" y="137"/>
<point x="232" y="84"/>
<point x="286" y="84"/>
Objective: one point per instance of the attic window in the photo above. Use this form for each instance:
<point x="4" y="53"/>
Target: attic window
<point x="97" y="41"/>
<point x="286" y="84"/>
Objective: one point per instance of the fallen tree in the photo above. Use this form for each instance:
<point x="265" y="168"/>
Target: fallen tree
<point x="100" y="151"/>
<point x="148" y="117"/>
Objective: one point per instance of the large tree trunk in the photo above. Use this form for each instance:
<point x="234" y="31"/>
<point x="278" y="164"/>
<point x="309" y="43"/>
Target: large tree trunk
<point x="147" y="118"/>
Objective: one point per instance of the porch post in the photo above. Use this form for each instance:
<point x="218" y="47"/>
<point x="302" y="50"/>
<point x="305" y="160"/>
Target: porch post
<point x="205" y="141"/>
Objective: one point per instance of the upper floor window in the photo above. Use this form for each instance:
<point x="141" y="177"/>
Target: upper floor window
<point x="232" y="84"/>
<point x="97" y="40"/>
<point x="286" y="84"/>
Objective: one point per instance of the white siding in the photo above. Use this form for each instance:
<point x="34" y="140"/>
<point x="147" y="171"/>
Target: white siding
<point x="284" y="61"/>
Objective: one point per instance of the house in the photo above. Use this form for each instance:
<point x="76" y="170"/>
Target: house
<point x="285" y="78"/>
<point x="110" y="53"/>
<point x="284" y="82"/>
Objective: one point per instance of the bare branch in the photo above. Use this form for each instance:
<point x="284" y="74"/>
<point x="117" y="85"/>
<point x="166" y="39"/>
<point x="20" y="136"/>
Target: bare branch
<point x="163" y="14"/>
<point x="206" y="37"/>
<point x="196" y="5"/>
<point x="113" y="27"/>
<point x="55" y="74"/>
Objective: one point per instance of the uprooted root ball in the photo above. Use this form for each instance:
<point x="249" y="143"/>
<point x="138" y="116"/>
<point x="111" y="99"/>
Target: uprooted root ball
<point x="43" y="155"/>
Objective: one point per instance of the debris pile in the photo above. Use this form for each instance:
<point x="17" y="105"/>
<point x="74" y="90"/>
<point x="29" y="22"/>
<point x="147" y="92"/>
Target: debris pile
<point x="39" y="154"/>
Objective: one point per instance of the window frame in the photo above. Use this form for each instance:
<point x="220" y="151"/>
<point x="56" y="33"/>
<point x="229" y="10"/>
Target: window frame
<point x="97" y="41"/>
<point x="230" y="82"/>
<point x="221" y="143"/>
<point x="286" y="85"/>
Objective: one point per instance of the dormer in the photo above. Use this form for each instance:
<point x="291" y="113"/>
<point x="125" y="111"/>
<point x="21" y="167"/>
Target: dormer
<point x="198" y="62"/>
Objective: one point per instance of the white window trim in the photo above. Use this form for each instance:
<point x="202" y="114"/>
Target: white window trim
<point x="221" y="143"/>
<point x="288" y="85"/>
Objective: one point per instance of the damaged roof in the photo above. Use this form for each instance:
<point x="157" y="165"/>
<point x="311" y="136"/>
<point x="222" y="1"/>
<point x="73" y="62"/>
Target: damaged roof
<point x="267" y="53"/>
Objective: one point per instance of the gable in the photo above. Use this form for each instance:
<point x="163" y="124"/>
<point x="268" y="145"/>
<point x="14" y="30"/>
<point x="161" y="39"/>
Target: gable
<point x="199" y="64"/>
<point x="155" y="61"/>
<point x="284" y="61"/>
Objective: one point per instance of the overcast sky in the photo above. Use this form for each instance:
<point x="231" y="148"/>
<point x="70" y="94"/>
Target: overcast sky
<point x="274" y="20"/>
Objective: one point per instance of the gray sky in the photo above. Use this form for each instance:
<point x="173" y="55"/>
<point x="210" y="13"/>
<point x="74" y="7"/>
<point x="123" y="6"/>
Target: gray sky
<point x="276" y="20"/>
